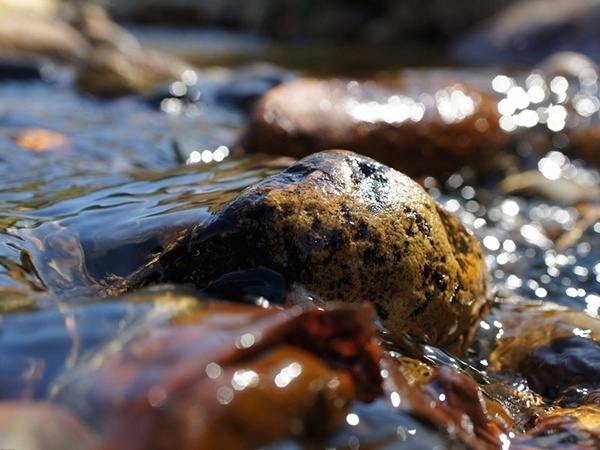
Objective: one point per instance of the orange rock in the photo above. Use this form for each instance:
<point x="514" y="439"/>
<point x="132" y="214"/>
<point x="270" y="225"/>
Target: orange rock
<point x="40" y="140"/>
<point x="231" y="376"/>
<point x="422" y="124"/>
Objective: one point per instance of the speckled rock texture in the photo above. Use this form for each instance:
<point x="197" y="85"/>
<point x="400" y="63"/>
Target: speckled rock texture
<point x="423" y="123"/>
<point x="349" y="229"/>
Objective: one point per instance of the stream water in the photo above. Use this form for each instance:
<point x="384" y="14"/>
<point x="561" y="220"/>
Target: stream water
<point x="92" y="189"/>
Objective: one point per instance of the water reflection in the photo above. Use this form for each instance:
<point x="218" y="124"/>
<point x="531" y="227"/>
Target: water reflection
<point x="452" y="104"/>
<point x="535" y="247"/>
<point x="72" y="236"/>
<point x="207" y="156"/>
<point x="555" y="102"/>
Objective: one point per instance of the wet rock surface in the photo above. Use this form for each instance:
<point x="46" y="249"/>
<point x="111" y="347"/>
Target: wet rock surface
<point x="555" y="350"/>
<point x="268" y="373"/>
<point x="421" y="124"/>
<point x="349" y="229"/>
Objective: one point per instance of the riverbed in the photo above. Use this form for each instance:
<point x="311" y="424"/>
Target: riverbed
<point x="92" y="189"/>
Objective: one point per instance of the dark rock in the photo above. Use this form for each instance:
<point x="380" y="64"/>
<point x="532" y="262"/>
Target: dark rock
<point x="546" y="346"/>
<point x="530" y="30"/>
<point x="422" y="124"/>
<point x="349" y="229"/>
<point x="562" y="363"/>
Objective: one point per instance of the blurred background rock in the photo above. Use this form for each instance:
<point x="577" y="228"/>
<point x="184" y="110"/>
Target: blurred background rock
<point x="465" y="31"/>
<point x="112" y="39"/>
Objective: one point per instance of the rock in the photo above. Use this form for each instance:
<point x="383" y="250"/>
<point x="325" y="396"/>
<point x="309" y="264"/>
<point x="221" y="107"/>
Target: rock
<point x="586" y="143"/>
<point x="41" y="426"/>
<point x="422" y="124"/>
<point x="526" y="328"/>
<point x="528" y="31"/>
<point x="24" y="35"/>
<point x="112" y="72"/>
<point x="266" y="373"/>
<point x="586" y="418"/>
<point x="563" y="363"/>
<point x="94" y="23"/>
<point x="576" y="428"/>
<point x="349" y="229"/>
<point x="555" y="348"/>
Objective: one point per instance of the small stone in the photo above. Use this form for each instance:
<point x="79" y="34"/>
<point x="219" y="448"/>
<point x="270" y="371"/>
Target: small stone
<point x="349" y="229"/>
<point x="422" y="124"/>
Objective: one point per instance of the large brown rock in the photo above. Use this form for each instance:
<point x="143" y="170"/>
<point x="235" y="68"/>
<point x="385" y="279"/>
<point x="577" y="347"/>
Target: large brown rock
<point x="349" y="229"/>
<point x="423" y="124"/>
<point x="230" y="376"/>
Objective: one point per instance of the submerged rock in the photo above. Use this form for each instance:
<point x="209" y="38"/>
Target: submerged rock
<point x="556" y="349"/>
<point x="349" y="229"/>
<point x="568" y="428"/>
<point x="422" y="124"/>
